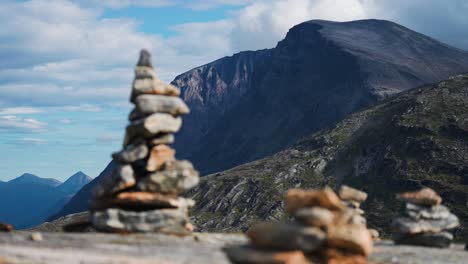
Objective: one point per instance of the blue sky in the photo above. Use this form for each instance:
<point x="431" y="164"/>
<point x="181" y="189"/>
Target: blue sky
<point x="66" y="65"/>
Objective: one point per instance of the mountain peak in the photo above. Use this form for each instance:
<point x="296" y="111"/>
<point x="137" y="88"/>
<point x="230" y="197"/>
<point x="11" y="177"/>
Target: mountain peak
<point x="28" y="178"/>
<point x="75" y="182"/>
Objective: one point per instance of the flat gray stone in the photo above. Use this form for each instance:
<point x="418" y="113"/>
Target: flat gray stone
<point x="314" y="216"/>
<point x="162" y="139"/>
<point x="131" y="153"/>
<point x="427" y="212"/>
<point x="440" y="240"/>
<point x="145" y="59"/>
<point x="408" y="225"/>
<point x="151" y="126"/>
<point x="286" y="236"/>
<point x="152" y="86"/>
<point x="121" y="178"/>
<point x="144" y="72"/>
<point x="168" y="221"/>
<point x="174" y="178"/>
<point x="149" y="103"/>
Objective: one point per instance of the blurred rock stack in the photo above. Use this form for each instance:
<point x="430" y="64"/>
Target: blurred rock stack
<point x="322" y="232"/>
<point x="353" y="198"/>
<point x="425" y="221"/>
<point x="141" y="195"/>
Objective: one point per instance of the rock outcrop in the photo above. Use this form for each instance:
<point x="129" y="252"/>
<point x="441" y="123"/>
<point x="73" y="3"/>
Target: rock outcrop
<point x="425" y="221"/>
<point x="141" y="193"/>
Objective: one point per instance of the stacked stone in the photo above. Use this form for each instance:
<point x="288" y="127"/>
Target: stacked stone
<point x="353" y="198"/>
<point x="141" y="194"/>
<point x="424" y="222"/>
<point x="4" y="227"/>
<point x="322" y="232"/>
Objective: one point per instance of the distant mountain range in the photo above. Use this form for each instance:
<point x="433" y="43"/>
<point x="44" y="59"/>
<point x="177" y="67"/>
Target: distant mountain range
<point x="256" y="103"/>
<point x="28" y="200"/>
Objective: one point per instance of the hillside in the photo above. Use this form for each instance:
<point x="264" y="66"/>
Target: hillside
<point x="418" y="138"/>
<point x="256" y="103"/>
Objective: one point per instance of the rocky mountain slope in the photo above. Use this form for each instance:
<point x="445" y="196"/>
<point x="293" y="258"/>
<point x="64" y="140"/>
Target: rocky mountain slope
<point x="257" y="103"/>
<point x="28" y="200"/>
<point x="254" y="104"/>
<point x="418" y="138"/>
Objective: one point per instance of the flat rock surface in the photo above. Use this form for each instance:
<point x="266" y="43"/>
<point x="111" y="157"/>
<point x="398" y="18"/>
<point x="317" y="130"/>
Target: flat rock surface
<point x="93" y="248"/>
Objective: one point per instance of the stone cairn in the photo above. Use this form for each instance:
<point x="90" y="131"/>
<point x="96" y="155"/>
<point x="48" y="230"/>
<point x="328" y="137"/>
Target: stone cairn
<point x="6" y="227"/>
<point x="323" y="231"/>
<point x="141" y="194"/>
<point x="424" y="222"/>
<point x="353" y="198"/>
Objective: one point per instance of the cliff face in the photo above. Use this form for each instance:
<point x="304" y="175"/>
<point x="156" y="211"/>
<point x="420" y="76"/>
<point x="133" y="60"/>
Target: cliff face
<point x="417" y="138"/>
<point x="254" y="104"/>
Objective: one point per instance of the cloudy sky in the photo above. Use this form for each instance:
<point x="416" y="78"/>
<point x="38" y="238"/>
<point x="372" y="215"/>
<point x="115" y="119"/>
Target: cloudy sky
<point x="66" y="65"/>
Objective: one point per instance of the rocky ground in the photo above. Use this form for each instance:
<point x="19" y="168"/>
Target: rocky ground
<point x="51" y="248"/>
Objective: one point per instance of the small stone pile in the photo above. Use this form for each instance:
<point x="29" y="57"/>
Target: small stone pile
<point x="353" y="198"/>
<point x="141" y="194"/>
<point x="425" y="221"/>
<point x="322" y="232"/>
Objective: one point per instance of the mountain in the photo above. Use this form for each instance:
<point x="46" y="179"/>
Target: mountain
<point x="418" y="138"/>
<point x="28" y="200"/>
<point x="256" y="103"/>
<point x="74" y="183"/>
<point x="33" y="179"/>
<point x="79" y="202"/>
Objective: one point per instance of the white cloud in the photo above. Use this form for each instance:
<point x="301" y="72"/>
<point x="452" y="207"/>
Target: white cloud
<point x="31" y="141"/>
<point x="19" y="110"/>
<point x="11" y="123"/>
<point x="107" y="138"/>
